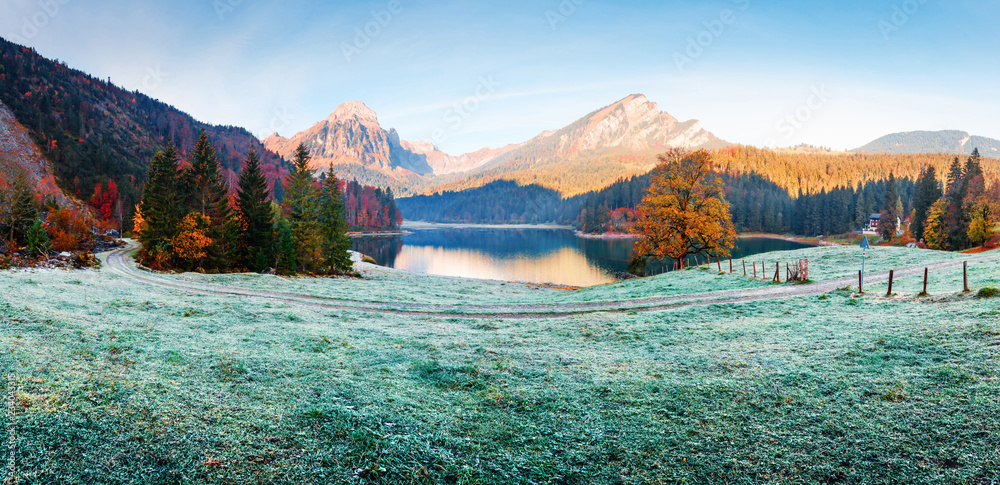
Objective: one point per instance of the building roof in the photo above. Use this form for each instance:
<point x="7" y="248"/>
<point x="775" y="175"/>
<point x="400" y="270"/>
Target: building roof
<point x="876" y="216"/>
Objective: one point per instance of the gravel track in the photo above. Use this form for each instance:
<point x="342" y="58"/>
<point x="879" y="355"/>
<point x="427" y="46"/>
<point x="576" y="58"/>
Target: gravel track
<point x="119" y="261"/>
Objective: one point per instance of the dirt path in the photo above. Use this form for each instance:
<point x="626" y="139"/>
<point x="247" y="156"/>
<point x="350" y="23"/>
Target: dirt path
<point x="119" y="261"/>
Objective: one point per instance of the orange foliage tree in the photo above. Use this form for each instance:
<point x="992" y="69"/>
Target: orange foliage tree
<point x="684" y="211"/>
<point x="68" y="229"/>
<point x="190" y="242"/>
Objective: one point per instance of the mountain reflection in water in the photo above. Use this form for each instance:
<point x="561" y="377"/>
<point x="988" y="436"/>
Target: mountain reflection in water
<point x="532" y="255"/>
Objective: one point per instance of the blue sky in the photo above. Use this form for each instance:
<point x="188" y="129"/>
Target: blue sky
<point x="828" y="73"/>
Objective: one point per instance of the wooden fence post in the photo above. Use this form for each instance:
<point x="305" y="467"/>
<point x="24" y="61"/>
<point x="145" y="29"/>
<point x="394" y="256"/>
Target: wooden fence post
<point x="718" y="262"/>
<point x="889" y="293"/>
<point x="925" y="282"/>
<point x="744" y="267"/>
<point x="730" y="265"/>
<point x="754" y="270"/>
<point x="965" y="276"/>
<point x="861" y="289"/>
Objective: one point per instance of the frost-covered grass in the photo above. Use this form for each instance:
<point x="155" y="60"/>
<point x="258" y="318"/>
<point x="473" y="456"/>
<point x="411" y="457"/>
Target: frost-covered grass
<point x="120" y="382"/>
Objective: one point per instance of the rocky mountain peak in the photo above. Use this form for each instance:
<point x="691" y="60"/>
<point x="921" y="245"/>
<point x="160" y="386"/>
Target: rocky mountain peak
<point x="355" y="110"/>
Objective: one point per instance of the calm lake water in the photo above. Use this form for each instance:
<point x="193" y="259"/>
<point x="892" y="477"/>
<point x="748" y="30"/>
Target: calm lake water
<point x="550" y="255"/>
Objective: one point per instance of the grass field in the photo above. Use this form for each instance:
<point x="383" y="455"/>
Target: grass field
<point x="113" y="381"/>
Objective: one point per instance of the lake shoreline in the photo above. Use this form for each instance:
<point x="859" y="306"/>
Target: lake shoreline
<point x="462" y="225"/>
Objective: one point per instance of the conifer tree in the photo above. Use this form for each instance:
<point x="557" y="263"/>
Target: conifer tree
<point x="160" y="205"/>
<point x="209" y="197"/>
<point x="287" y="262"/>
<point x="301" y="209"/>
<point x="256" y="237"/>
<point x="335" y="242"/>
<point x="928" y="192"/>
<point x="887" y="224"/>
<point x="21" y="210"/>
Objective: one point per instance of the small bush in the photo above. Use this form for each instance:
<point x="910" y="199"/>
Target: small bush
<point x="988" y="292"/>
<point x="896" y="394"/>
<point x="368" y="259"/>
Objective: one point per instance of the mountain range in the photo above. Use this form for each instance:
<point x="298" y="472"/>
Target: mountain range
<point x="949" y="141"/>
<point x="616" y="141"/>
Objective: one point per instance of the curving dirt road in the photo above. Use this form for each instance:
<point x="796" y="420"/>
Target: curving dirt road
<point x="120" y="262"/>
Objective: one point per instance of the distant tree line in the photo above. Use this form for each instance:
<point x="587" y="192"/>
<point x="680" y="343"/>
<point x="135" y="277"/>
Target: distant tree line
<point x="187" y="218"/>
<point x="500" y="202"/>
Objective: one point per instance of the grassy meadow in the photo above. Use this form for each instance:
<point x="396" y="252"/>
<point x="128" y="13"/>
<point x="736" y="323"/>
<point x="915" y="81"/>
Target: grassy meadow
<point x="113" y="381"/>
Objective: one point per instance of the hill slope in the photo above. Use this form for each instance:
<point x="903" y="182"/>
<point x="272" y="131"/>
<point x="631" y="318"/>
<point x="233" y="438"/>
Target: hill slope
<point x="91" y="130"/>
<point x="18" y="153"/>
<point x="949" y="141"/>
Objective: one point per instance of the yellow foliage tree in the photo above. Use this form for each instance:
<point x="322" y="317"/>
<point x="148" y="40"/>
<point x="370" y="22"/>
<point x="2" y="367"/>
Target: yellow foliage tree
<point x="138" y="222"/>
<point x="684" y="211"/>
<point x="190" y="242"/>
<point x="983" y="225"/>
<point x="936" y="229"/>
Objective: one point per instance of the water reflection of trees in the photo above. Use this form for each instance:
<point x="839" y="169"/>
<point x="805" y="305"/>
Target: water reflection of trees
<point x="505" y="243"/>
<point x="609" y="255"/>
<point x="383" y="249"/>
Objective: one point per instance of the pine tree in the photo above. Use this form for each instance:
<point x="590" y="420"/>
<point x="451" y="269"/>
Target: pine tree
<point x="37" y="239"/>
<point x="160" y="206"/>
<point x="335" y="242"/>
<point x="301" y="209"/>
<point x="287" y="262"/>
<point x="887" y="224"/>
<point x="256" y="237"/>
<point x="928" y="192"/>
<point x="21" y="210"/>
<point x="208" y="196"/>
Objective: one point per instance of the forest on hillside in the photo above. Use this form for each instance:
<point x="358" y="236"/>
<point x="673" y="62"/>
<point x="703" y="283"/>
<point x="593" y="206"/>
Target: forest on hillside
<point x="93" y="131"/>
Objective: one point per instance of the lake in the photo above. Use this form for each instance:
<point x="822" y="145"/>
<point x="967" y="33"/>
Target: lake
<point x="549" y="255"/>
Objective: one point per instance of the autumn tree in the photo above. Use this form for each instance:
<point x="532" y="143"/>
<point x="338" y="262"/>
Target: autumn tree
<point x="190" y="243"/>
<point x="256" y="232"/>
<point x="936" y="234"/>
<point x="684" y="211"/>
<point x="982" y="227"/>
<point x="104" y="201"/>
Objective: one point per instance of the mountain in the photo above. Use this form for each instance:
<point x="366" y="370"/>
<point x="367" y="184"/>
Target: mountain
<point x="616" y="141"/>
<point x="90" y="130"/>
<point x="949" y="141"/>
<point x="351" y="143"/>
